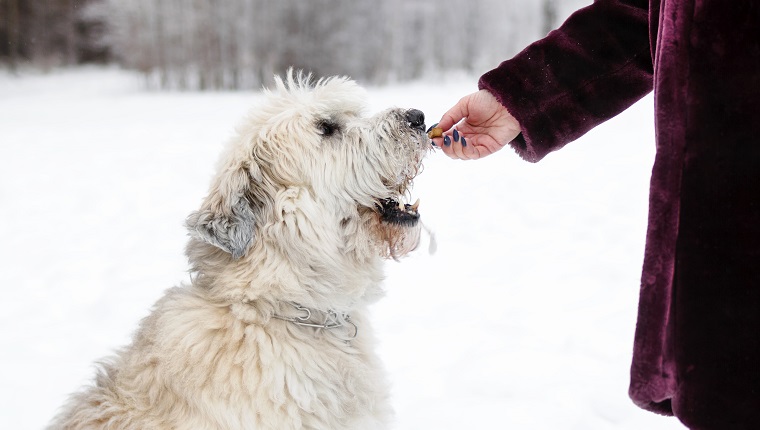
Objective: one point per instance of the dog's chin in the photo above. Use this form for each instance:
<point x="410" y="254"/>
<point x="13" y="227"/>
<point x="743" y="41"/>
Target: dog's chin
<point x="393" y="212"/>
<point x="394" y="226"/>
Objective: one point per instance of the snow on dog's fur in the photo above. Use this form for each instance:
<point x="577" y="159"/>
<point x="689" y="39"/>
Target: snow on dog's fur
<point x="308" y="199"/>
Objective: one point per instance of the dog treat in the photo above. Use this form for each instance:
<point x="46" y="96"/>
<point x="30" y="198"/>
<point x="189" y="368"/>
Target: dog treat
<point x="436" y="132"/>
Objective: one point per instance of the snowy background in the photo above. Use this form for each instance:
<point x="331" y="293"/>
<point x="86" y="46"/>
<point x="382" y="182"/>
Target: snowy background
<point x="523" y="319"/>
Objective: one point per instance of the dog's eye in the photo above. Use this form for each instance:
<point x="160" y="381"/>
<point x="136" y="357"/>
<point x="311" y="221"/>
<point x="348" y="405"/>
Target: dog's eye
<point x="328" y="128"/>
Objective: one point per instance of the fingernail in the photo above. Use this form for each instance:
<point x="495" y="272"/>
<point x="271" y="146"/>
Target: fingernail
<point x="447" y="140"/>
<point x="432" y="144"/>
<point x="464" y="142"/>
<point x="456" y="136"/>
<point x="432" y="127"/>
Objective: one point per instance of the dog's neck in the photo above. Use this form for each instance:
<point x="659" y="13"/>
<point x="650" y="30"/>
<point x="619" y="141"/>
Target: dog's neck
<point x="268" y="279"/>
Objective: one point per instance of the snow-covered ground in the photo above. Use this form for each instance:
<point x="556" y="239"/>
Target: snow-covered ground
<point x="523" y="319"/>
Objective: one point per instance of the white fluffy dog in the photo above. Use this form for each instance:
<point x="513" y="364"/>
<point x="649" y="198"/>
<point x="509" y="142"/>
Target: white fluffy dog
<point x="286" y="252"/>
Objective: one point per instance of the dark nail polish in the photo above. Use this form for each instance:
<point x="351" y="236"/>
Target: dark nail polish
<point x="456" y="136"/>
<point x="432" y="144"/>
<point x="464" y="142"/>
<point x="447" y="140"/>
<point x="432" y="127"/>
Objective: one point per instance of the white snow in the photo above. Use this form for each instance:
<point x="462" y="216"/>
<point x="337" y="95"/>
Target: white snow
<point x="523" y="319"/>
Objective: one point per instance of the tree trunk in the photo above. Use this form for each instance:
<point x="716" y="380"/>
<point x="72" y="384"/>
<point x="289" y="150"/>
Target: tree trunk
<point x="12" y="17"/>
<point x="549" y="19"/>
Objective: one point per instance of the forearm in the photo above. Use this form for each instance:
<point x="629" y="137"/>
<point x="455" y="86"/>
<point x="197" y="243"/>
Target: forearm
<point x="593" y="67"/>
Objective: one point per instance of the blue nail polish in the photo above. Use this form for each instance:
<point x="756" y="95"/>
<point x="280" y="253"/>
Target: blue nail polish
<point x="447" y="140"/>
<point x="464" y="142"/>
<point x="432" y="127"/>
<point x="432" y="144"/>
<point x="456" y="136"/>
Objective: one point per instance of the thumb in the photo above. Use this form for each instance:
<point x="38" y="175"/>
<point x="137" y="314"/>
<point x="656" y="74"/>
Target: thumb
<point x="458" y="112"/>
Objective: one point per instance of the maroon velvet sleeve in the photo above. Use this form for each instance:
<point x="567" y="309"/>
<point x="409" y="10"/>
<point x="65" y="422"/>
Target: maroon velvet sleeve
<point x="593" y="67"/>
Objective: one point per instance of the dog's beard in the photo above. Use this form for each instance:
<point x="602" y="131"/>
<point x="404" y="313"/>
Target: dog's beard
<point x="392" y="238"/>
<point x="397" y="223"/>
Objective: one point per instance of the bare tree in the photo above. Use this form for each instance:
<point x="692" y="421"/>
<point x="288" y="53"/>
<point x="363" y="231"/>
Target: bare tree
<point x="549" y="10"/>
<point x="10" y="28"/>
<point x="45" y="32"/>
<point x="228" y="44"/>
<point x="214" y="44"/>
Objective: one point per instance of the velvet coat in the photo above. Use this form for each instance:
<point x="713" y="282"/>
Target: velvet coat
<point x="697" y="341"/>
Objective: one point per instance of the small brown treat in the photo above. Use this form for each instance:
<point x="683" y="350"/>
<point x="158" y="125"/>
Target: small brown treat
<point x="436" y="132"/>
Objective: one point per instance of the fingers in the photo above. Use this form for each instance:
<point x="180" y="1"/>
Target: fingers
<point x="483" y="126"/>
<point x="455" y="145"/>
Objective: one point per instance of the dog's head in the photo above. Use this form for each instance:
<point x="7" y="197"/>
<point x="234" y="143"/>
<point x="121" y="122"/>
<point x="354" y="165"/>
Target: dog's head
<point x="308" y="172"/>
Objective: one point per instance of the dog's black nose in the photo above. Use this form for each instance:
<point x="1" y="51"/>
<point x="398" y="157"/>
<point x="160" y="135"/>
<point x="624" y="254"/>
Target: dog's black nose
<point x="416" y="119"/>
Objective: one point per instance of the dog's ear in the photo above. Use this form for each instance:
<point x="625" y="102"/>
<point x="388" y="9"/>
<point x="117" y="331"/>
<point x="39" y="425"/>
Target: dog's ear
<point x="226" y="218"/>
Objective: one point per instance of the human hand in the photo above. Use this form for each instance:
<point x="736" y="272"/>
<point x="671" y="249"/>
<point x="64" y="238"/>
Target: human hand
<point x="486" y="126"/>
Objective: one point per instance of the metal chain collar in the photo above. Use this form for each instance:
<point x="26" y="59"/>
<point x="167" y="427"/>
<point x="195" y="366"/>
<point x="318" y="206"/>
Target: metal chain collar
<point x="332" y="319"/>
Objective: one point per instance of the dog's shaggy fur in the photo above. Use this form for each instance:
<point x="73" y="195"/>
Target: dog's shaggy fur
<point x="294" y="228"/>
